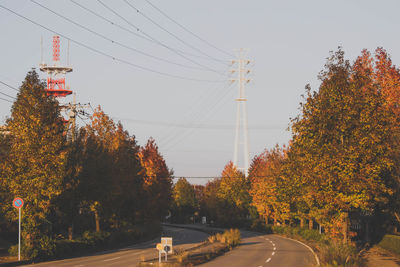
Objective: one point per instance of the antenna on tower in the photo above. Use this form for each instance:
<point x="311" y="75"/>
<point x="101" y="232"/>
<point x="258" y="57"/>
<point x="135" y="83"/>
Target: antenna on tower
<point x="241" y="114"/>
<point x="55" y="84"/>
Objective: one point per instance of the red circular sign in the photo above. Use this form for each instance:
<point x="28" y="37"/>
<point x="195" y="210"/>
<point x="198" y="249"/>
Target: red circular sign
<point x="18" y="203"/>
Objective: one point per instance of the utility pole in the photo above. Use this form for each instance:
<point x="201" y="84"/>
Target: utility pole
<point x="74" y="110"/>
<point x="241" y="113"/>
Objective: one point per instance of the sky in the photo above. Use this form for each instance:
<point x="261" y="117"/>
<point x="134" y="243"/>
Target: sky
<point x="162" y="81"/>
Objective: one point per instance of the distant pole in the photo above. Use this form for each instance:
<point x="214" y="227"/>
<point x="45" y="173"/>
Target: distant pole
<point x="241" y="112"/>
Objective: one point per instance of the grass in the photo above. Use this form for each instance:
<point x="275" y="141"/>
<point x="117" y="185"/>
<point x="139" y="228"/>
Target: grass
<point x="214" y="246"/>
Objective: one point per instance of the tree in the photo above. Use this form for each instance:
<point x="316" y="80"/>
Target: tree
<point x="234" y="190"/>
<point x="35" y="166"/>
<point x="266" y="172"/>
<point x="184" y="200"/>
<point x="157" y="180"/>
<point x="343" y="144"/>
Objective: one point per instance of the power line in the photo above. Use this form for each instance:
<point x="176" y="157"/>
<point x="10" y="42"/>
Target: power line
<point x="113" y="41"/>
<point x="7" y="95"/>
<point x="105" y="54"/>
<point x="135" y="32"/>
<point x="155" y="40"/>
<point x="111" y="22"/>
<point x="6" y="100"/>
<point x="187" y="30"/>
<point x="216" y="105"/>
<point x="9" y="86"/>
<point x="164" y="29"/>
<point x="192" y="115"/>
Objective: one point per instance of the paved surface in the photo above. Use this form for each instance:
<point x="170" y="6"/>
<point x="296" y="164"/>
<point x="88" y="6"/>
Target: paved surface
<point x="266" y="251"/>
<point x="376" y="257"/>
<point x="131" y="256"/>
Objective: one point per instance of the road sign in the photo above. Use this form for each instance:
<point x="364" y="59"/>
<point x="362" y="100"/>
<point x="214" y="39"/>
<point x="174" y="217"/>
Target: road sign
<point x="159" y="246"/>
<point x="167" y="244"/>
<point x="18" y="203"/>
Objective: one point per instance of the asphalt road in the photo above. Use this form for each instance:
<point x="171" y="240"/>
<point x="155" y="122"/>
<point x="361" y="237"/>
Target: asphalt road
<point x="265" y="251"/>
<point x="131" y="256"/>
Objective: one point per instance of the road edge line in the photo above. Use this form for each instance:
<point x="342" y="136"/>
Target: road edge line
<point x="307" y="246"/>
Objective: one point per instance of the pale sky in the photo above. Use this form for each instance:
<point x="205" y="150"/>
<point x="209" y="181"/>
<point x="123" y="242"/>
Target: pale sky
<point x="193" y="121"/>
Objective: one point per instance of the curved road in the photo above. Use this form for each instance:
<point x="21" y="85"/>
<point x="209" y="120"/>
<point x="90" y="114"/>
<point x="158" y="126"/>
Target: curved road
<point x="131" y="256"/>
<point x="257" y="250"/>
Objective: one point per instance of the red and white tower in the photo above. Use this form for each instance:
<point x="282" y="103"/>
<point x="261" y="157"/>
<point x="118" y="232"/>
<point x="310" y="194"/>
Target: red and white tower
<point x="56" y="74"/>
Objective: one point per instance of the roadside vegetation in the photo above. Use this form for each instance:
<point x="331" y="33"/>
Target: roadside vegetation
<point x="338" y="173"/>
<point x="84" y="189"/>
<point x="214" y="246"/>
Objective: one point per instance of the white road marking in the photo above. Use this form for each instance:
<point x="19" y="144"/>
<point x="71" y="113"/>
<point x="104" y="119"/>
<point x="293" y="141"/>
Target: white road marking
<point x="312" y="251"/>
<point x="268" y="260"/>
<point x="112" y="259"/>
<point x="273" y="244"/>
<point x="274" y="248"/>
<point x="273" y="253"/>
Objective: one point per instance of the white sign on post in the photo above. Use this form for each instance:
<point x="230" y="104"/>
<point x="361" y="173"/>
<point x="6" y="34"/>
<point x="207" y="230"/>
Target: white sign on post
<point x="164" y="247"/>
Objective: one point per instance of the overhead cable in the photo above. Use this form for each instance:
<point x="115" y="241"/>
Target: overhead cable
<point x="155" y="40"/>
<point x="97" y="51"/>
<point x="167" y="31"/>
<point x="9" y="86"/>
<point x="6" y="100"/>
<point x="115" y="42"/>
<point x="187" y="30"/>
<point x="135" y="33"/>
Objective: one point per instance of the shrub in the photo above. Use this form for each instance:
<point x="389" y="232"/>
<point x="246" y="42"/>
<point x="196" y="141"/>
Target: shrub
<point x="391" y="243"/>
<point x="338" y="254"/>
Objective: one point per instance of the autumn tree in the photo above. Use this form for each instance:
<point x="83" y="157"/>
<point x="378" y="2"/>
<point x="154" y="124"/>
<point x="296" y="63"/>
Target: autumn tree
<point x="266" y="174"/>
<point x="157" y="181"/>
<point x="35" y="165"/>
<point x="184" y="201"/>
<point x="343" y="144"/>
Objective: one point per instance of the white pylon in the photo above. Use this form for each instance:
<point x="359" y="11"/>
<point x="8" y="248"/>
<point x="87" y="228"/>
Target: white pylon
<point x="241" y="113"/>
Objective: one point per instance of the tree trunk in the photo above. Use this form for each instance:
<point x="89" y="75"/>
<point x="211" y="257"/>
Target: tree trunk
<point x="345" y="227"/>
<point x="301" y="223"/>
<point x="275" y="221"/>
<point x="70" y="231"/>
<point x="97" y="218"/>
<point x="310" y="224"/>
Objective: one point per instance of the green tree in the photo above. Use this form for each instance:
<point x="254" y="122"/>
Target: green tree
<point x="184" y="201"/>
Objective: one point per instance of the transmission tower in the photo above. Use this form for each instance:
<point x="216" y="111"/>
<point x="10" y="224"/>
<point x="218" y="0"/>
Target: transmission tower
<point x="56" y="87"/>
<point x="242" y="79"/>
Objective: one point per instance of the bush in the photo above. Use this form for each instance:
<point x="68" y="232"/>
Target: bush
<point x="260" y="226"/>
<point x="230" y="237"/>
<point x="391" y="243"/>
<point x="338" y="254"/>
<point x="46" y="248"/>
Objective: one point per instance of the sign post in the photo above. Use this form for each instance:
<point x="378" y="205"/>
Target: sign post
<point x="164" y="247"/>
<point x="18" y="203"/>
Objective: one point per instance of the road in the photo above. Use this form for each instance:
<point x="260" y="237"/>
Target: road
<point x="131" y="256"/>
<point x="265" y="251"/>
